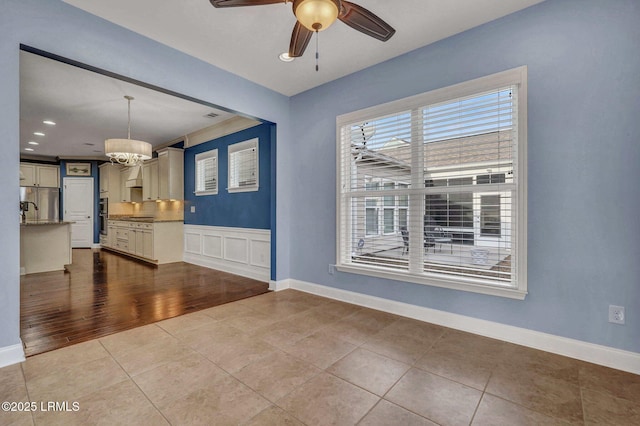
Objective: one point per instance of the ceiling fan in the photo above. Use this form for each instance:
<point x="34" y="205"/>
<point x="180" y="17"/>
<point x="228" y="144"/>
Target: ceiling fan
<point x="318" y="15"/>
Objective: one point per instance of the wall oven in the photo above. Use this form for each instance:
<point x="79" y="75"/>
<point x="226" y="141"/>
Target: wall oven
<point x="103" y="215"/>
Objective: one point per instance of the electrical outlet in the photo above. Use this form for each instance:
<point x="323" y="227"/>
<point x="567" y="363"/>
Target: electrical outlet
<point x="616" y="314"/>
<point x="193" y="209"/>
<point x="332" y="269"/>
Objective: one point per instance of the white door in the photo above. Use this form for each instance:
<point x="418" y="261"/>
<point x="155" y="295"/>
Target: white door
<point x="78" y="208"/>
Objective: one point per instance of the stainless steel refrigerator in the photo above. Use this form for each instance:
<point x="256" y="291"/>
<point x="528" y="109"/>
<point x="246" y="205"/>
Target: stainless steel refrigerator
<point x="47" y="200"/>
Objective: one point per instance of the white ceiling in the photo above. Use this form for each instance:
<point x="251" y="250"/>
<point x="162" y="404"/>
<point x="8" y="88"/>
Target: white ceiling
<point x="89" y="108"/>
<point x="247" y="40"/>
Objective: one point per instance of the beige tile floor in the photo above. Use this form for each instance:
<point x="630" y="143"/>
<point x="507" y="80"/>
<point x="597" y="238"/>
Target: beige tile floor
<point x="290" y="358"/>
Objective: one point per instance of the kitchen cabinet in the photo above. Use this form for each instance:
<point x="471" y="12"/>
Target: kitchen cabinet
<point x="141" y="239"/>
<point x="110" y="182"/>
<point x="40" y="175"/>
<point x="150" y="181"/>
<point x="121" y="238"/>
<point x="128" y="195"/>
<point x="171" y="174"/>
<point x="154" y="242"/>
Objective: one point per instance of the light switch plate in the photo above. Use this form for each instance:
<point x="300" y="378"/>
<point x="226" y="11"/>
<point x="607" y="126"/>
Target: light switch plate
<point x="193" y="209"/>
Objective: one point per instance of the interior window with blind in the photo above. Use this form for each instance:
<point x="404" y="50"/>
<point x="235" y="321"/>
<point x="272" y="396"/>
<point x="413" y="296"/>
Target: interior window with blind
<point x="243" y="166"/>
<point x="207" y="173"/>
<point x="435" y="187"/>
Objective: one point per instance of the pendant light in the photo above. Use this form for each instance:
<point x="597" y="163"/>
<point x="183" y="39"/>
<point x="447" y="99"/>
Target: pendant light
<point x="127" y="152"/>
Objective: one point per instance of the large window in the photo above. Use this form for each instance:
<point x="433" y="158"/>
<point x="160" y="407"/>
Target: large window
<point x="435" y="186"/>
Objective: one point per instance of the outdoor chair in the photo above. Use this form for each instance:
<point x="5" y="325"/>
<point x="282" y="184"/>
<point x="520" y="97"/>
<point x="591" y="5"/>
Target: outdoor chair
<point x="437" y="236"/>
<point x="405" y="239"/>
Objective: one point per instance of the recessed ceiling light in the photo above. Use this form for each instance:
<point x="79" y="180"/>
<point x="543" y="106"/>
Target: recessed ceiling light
<point x="38" y="133"/>
<point x="284" y="57"/>
<point x="28" y="149"/>
<point x="33" y="143"/>
<point x="49" y="122"/>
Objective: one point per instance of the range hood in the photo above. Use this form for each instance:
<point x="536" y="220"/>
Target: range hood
<point x="135" y="177"/>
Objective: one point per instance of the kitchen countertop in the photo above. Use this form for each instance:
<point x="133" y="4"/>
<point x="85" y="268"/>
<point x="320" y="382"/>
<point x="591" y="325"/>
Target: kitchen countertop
<point x="33" y="222"/>
<point x="143" y="219"/>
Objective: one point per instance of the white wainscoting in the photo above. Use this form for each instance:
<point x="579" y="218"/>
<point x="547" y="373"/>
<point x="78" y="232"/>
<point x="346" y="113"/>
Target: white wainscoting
<point x="239" y="251"/>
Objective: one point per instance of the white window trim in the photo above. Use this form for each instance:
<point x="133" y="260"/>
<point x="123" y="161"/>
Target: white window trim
<point x="203" y="156"/>
<point x="241" y="146"/>
<point x="513" y="76"/>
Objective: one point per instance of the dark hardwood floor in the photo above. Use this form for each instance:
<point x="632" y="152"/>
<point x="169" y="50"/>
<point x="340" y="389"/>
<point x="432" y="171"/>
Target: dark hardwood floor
<point x="104" y="293"/>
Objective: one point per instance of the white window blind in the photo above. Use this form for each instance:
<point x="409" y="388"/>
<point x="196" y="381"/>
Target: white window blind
<point x="243" y="166"/>
<point x="207" y="173"/>
<point x="434" y="186"/>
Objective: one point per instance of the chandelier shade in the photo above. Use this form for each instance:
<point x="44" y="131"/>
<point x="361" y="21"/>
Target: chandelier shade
<point x="127" y="152"/>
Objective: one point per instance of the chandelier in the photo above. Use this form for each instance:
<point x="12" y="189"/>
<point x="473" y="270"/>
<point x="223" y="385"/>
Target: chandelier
<point x="127" y="152"/>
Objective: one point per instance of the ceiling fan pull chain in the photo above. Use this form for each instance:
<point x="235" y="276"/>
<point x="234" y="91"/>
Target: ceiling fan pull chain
<point x="317" y="55"/>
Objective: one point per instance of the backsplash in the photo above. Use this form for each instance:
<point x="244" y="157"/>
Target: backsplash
<point x="160" y="210"/>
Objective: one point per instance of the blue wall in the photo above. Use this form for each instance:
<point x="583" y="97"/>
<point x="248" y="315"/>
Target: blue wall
<point x="238" y="210"/>
<point x="584" y="165"/>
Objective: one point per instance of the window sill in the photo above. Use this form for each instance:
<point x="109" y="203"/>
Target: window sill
<point x="242" y="189"/>
<point x="199" y="193"/>
<point x="470" y="285"/>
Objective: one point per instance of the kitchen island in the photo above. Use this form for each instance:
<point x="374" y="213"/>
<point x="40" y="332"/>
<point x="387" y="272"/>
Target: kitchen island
<point x="45" y="245"/>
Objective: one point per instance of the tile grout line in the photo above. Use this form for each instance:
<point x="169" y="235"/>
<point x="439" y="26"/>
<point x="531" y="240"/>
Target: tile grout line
<point x="26" y="388"/>
<point x="134" y="382"/>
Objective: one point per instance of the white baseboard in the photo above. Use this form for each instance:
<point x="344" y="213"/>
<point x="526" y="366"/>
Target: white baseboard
<point x="589" y="352"/>
<point x="279" y="285"/>
<point x="240" y="269"/>
<point x="10" y="355"/>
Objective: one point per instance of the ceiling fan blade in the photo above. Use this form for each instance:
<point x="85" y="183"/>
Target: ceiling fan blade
<point x="299" y="40"/>
<point x="234" y="3"/>
<point x="359" y="18"/>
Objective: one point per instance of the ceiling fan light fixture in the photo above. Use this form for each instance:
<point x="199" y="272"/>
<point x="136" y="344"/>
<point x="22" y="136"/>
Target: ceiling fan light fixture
<point x="284" y="57"/>
<point x="316" y="15"/>
<point x="127" y="152"/>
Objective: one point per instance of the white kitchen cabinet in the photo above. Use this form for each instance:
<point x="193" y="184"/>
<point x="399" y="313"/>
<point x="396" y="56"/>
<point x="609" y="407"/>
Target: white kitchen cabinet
<point x="150" y="181"/>
<point x="147" y="245"/>
<point x="154" y="242"/>
<point x="128" y="195"/>
<point x="171" y="174"/>
<point x="122" y="238"/>
<point x="141" y="239"/>
<point x="111" y="235"/>
<point x="110" y="182"/>
<point x="40" y="175"/>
